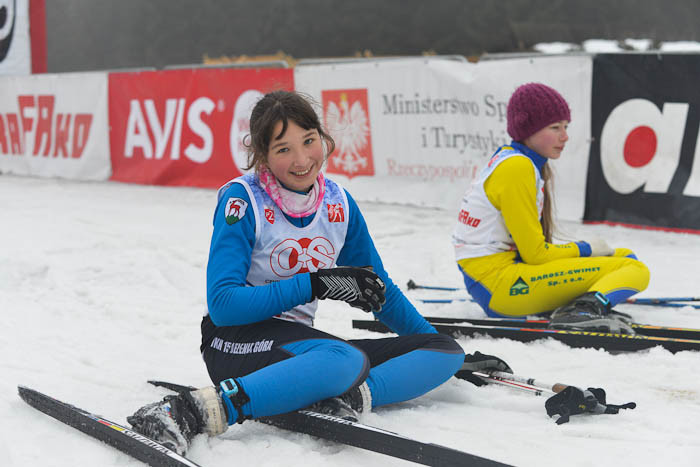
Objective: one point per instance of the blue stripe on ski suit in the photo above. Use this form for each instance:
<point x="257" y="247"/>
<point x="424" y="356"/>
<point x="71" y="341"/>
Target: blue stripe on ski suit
<point x="621" y="295"/>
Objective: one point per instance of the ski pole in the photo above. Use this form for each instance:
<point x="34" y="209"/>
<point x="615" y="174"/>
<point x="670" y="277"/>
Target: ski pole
<point x="643" y="300"/>
<point x="521" y="382"/>
<point x="636" y="301"/>
<point x="443" y="300"/>
<point x="630" y="301"/>
<point x="663" y="304"/>
<point x="412" y="285"/>
<point x="513" y="385"/>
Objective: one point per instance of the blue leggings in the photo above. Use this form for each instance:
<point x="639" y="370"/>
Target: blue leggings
<point x="284" y="366"/>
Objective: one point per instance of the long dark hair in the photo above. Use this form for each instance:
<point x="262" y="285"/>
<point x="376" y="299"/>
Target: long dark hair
<point x="547" y="221"/>
<point x="281" y="106"/>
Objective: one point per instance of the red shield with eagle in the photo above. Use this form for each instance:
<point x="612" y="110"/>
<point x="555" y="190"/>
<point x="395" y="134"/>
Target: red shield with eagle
<point x="346" y="116"/>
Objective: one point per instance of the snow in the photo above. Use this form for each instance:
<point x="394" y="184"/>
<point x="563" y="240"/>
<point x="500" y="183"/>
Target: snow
<point x="601" y="46"/>
<point x="613" y="46"/>
<point x="102" y="287"/>
<point x="589" y="45"/>
<point x="680" y="46"/>
<point x="639" y="44"/>
<point x="555" y="47"/>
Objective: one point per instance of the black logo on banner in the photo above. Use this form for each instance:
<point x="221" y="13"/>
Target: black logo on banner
<point x="640" y="147"/>
<point x="7" y="25"/>
<point x="644" y="167"/>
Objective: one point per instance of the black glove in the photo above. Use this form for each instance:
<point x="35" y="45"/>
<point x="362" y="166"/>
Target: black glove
<point x="482" y="363"/>
<point x="359" y="287"/>
<point x="573" y="401"/>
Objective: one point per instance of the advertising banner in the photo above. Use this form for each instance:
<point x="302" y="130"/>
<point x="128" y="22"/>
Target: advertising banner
<point x="645" y="159"/>
<point x="185" y="127"/>
<point x="15" y="46"/>
<point x="418" y="130"/>
<point x="55" y="126"/>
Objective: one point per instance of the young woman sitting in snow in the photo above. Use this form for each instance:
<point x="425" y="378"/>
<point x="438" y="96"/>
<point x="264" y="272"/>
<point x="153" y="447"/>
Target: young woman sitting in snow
<point x="285" y="237"/>
<point x="503" y="239"/>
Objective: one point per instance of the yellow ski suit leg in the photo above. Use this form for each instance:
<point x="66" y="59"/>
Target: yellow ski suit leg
<point x="504" y="286"/>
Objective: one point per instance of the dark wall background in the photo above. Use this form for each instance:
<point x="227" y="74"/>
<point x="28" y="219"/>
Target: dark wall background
<point x="112" y="34"/>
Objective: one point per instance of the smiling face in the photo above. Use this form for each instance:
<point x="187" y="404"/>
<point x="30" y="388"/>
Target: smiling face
<point x="549" y="142"/>
<point x="295" y="157"/>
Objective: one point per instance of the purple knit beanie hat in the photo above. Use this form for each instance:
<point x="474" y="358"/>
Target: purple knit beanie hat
<point x="532" y="107"/>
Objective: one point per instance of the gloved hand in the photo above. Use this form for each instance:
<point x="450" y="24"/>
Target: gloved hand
<point x="359" y="287"/>
<point x="482" y="363"/>
<point x="600" y="247"/>
<point x="573" y="401"/>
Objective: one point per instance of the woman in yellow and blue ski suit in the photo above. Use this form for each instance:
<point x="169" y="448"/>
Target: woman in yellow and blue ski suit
<point x="503" y="239"/>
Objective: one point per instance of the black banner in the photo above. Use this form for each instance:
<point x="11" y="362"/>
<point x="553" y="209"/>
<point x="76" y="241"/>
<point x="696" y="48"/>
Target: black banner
<point x="644" y="166"/>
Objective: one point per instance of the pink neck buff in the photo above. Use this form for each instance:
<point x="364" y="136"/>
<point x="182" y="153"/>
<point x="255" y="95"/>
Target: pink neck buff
<point x="290" y="202"/>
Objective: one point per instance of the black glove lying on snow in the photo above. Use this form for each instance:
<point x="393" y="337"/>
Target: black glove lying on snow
<point x="482" y="363"/>
<point x="573" y="401"/>
<point x="359" y="287"/>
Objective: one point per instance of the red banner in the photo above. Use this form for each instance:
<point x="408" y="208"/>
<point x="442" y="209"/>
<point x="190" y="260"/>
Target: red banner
<point x="346" y="115"/>
<point x="185" y="127"/>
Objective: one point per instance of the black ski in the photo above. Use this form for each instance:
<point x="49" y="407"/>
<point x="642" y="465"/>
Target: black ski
<point x="542" y="323"/>
<point x="374" y="439"/>
<point x="120" y="437"/>
<point x="364" y="437"/>
<point x="598" y="340"/>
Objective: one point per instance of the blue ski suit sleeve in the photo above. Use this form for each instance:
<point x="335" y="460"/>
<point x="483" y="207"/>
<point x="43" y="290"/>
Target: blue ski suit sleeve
<point x="359" y="250"/>
<point x="230" y="302"/>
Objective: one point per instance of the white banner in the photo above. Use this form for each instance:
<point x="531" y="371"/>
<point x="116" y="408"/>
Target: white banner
<point x="55" y="126"/>
<point x="417" y="130"/>
<point x="15" y="44"/>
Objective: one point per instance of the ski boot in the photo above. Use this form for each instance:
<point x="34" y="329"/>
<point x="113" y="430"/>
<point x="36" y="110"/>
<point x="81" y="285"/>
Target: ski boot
<point x="347" y="406"/>
<point x="591" y="312"/>
<point x="175" y="420"/>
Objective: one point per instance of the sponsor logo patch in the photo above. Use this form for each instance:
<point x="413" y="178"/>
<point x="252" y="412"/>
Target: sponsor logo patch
<point x="520" y="287"/>
<point x="303" y="255"/>
<point x="235" y="210"/>
<point x="336" y="213"/>
<point x="466" y="219"/>
<point x="270" y="215"/>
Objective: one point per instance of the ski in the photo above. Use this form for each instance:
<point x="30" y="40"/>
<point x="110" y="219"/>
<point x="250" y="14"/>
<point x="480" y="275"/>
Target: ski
<point x="124" y="439"/>
<point x="598" y="340"/>
<point x="374" y="439"/>
<point x="638" y="301"/>
<point x="542" y="323"/>
<point x="363" y="436"/>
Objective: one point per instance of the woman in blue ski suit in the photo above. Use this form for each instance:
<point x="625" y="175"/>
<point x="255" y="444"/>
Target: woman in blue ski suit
<point x="284" y="238"/>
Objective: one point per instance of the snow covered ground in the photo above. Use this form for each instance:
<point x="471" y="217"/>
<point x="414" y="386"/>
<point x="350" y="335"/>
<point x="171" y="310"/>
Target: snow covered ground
<point x="102" y="287"/>
<point x="613" y="46"/>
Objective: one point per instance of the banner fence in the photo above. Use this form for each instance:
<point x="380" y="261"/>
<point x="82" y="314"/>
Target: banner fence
<point x="413" y="131"/>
